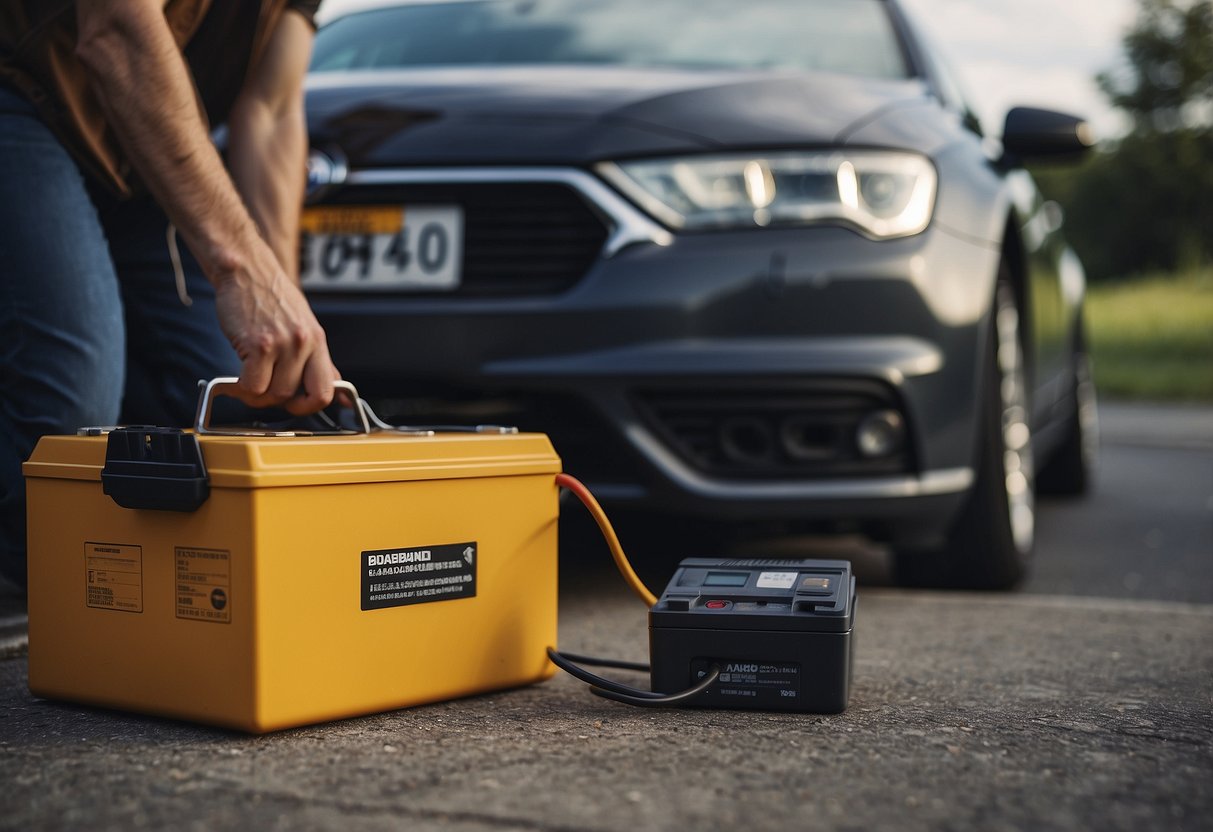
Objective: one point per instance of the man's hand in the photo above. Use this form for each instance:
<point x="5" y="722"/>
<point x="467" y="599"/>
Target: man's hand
<point x="142" y="84"/>
<point x="281" y="346"/>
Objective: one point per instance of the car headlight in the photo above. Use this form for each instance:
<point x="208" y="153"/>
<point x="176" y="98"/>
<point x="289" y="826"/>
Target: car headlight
<point x="884" y="194"/>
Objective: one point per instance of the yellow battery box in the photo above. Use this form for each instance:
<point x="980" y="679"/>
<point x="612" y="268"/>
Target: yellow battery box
<point x="265" y="581"/>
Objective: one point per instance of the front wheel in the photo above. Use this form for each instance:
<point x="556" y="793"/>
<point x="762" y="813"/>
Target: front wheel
<point x="990" y="544"/>
<point x="1071" y="469"/>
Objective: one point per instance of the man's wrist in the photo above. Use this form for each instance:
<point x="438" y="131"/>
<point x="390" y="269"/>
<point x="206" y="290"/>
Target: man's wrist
<point x="242" y="257"/>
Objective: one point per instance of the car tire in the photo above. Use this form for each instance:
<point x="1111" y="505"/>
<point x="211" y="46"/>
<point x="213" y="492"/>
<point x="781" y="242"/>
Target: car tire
<point x="989" y="545"/>
<point x="1070" y="470"/>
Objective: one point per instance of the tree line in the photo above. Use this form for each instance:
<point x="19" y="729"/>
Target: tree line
<point x="1145" y="202"/>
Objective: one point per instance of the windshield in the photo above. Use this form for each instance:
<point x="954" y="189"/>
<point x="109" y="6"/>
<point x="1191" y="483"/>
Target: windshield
<point x="854" y="37"/>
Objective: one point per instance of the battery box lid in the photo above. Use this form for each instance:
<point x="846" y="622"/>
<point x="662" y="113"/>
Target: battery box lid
<point x="803" y="595"/>
<point x="273" y="461"/>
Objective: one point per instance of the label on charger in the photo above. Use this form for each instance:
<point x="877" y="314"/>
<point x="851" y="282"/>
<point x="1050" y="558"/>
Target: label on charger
<point x="750" y="680"/>
<point x="776" y="580"/>
<point x="418" y="575"/>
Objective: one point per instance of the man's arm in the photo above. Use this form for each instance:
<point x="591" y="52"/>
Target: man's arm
<point x="267" y="138"/>
<point x="141" y="81"/>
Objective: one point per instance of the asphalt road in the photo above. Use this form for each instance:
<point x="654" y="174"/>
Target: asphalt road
<point x="1033" y="710"/>
<point x="1147" y="531"/>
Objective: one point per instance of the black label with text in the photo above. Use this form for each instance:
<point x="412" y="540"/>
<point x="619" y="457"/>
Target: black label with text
<point x="752" y="680"/>
<point x="418" y="575"/>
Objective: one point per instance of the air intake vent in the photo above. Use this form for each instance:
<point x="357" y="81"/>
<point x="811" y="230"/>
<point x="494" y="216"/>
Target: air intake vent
<point x="778" y="432"/>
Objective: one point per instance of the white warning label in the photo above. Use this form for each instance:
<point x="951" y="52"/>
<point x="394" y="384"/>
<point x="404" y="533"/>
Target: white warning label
<point x="776" y="580"/>
<point x="114" y="576"/>
<point x="204" y="584"/>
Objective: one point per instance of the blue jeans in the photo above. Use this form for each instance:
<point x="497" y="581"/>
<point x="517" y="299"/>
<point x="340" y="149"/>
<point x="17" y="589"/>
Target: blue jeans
<point x="92" y="331"/>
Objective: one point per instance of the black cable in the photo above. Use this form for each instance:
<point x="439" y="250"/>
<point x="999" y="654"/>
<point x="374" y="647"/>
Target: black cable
<point x="594" y="679"/>
<point x="609" y="689"/>
<point x="661" y="700"/>
<point x="596" y="662"/>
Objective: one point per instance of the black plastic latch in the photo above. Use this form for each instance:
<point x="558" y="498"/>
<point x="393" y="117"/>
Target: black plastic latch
<point x="156" y="468"/>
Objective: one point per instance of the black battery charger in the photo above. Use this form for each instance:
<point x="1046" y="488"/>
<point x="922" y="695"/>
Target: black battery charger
<point x="772" y="635"/>
<point x="779" y="632"/>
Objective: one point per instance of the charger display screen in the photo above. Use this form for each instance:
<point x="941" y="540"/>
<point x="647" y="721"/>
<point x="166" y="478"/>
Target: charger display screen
<point x="726" y="579"/>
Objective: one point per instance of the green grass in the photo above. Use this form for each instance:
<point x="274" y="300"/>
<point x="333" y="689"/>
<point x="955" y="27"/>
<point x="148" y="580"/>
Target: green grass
<point x="1152" y="337"/>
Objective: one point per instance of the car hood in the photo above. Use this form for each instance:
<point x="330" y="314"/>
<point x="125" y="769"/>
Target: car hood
<point x="577" y="115"/>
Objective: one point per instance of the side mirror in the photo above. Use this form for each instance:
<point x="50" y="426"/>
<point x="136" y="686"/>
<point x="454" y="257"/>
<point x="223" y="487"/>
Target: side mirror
<point x="1032" y="135"/>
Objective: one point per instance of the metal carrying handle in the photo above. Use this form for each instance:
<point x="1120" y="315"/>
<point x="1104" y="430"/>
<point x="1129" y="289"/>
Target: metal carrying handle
<point x="227" y="385"/>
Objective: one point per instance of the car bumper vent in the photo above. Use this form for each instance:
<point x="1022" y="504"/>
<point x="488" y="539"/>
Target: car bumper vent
<point x="768" y="432"/>
<point x="519" y="238"/>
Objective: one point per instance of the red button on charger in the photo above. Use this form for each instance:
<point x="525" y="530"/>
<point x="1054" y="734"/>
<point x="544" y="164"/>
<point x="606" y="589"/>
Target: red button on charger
<point x="716" y="605"/>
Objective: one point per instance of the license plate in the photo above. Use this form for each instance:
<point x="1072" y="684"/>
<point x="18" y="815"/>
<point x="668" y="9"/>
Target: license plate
<point x="381" y="247"/>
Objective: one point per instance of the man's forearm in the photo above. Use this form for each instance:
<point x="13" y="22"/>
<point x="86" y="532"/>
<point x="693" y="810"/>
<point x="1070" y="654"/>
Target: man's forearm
<point x="140" y="79"/>
<point x="266" y="155"/>
<point x="267" y="138"/>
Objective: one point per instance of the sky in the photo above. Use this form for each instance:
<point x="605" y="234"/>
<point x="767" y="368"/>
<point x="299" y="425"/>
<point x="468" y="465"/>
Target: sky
<point x="1032" y="52"/>
<point x="1042" y="53"/>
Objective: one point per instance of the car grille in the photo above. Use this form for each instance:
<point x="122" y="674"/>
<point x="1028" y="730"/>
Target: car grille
<point x="762" y="431"/>
<point x="519" y="238"/>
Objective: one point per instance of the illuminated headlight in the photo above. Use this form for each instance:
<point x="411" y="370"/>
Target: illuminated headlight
<point x="883" y="194"/>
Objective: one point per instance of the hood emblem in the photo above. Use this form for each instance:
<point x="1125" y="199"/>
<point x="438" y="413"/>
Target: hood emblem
<point x="324" y="170"/>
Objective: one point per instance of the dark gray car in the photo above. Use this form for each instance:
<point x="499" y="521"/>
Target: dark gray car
<point x="752" y="262"/>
